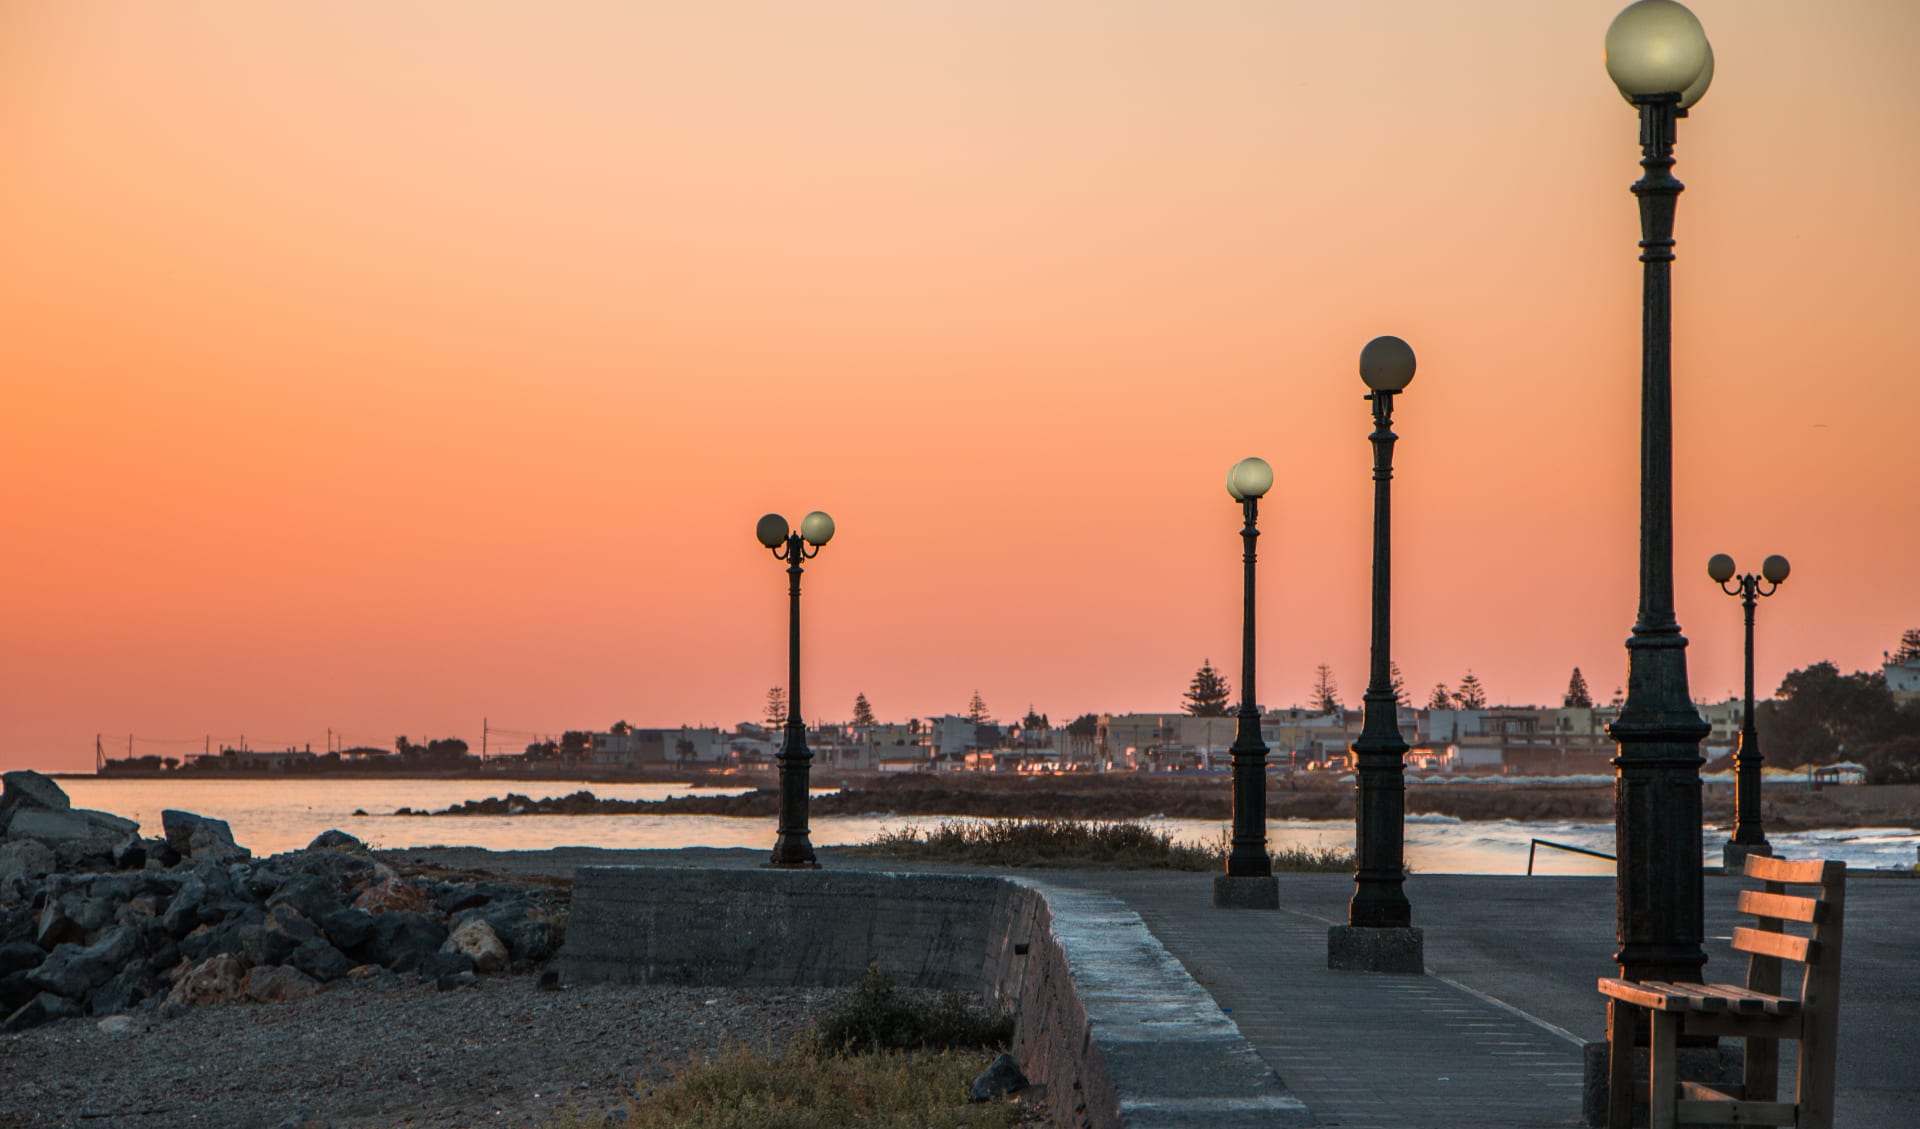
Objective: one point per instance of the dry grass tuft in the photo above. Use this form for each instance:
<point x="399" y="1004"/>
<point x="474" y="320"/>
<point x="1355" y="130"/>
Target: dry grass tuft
<point x="1120" y="845"/>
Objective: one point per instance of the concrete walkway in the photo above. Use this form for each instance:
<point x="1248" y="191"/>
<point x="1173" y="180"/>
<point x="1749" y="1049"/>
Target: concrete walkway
<point x="1493" y="1035"/>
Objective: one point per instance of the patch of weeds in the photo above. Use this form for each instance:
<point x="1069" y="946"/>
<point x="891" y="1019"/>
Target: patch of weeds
<point x="1121" y="844"/>
<point x="874" y="1016"/>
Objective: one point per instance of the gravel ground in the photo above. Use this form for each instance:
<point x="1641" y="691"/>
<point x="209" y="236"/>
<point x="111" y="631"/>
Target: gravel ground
<point x="361" y="1055"/>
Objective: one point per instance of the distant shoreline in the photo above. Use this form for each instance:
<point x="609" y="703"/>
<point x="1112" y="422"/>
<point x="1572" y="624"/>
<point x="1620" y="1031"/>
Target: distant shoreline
<point x="1196" y="796"/>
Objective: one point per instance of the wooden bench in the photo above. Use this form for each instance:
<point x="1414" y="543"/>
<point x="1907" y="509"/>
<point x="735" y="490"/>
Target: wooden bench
<point x="1754" y="1011"/>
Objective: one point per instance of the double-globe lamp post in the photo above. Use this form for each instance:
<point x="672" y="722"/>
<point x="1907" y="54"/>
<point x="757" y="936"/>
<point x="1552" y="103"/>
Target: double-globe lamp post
<point x="1657" y="54"/>
<point x="1379" y="935"/>
<point x="1249" y="882"/>
<point x="793" y="847"/>
<point x="1749" y="838"/>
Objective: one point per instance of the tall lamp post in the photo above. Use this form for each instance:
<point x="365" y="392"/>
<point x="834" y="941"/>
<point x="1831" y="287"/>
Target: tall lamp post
<point x="1657" y="54"/>
<point x="1749" y="838"/>
<point x="1249" y="882"/>
<point x="1379" y="935"/>
<point x="792" y="847"/>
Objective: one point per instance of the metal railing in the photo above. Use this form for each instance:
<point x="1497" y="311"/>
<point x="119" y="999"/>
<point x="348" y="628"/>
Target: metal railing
<point x="1538" y="843"/>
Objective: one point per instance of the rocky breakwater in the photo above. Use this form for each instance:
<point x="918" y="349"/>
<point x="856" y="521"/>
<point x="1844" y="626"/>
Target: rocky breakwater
<point x="95" y="920"/>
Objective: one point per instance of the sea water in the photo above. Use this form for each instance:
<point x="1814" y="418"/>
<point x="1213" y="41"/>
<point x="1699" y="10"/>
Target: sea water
<point x="270" y="816"/>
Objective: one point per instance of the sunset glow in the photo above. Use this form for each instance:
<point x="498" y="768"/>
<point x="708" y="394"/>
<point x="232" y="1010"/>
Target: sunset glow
<point x="385" y="367"/>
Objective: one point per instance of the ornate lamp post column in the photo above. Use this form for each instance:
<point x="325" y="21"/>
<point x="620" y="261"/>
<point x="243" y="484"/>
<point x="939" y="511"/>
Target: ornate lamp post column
<point x="1379" y="935"/>
<point x="1657" y="54"/>
<point x="792" y="847"/>
<point x="1748" y="836"/>
<point x="1249" y="882"/>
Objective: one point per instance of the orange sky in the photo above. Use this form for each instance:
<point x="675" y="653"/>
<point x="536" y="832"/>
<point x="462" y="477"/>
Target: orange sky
<point x="387" y="366"/>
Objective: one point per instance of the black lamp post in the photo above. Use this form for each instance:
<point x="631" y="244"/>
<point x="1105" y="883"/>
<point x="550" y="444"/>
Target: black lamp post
<point x="792" y="847"/>
<point x="1657" y="54"/>
<point x="1748" y="836"/>
<point x="1249" y="882"/>
<point x="1379" y="935"/>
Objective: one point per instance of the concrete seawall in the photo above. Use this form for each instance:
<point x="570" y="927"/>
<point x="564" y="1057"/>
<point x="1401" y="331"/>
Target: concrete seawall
<point x="1107" y="1020"/>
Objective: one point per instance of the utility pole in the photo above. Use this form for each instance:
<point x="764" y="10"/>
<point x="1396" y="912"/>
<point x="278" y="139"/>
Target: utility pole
<point x="99" y="755"/>
<point x="483" y="738"/>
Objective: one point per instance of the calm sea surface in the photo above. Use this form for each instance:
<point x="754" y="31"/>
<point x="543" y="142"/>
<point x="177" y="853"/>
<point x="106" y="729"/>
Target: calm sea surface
<point x="270" y="816"/>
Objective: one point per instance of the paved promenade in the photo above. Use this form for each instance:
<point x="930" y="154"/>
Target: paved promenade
<point x="1492" y="1035"/>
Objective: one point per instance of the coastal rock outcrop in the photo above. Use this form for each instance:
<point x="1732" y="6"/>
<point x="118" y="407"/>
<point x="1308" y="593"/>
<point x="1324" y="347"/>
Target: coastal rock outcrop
<point x="197" y="837"/>
<point x="194" y="919"/>
<point x="45" y="832"/>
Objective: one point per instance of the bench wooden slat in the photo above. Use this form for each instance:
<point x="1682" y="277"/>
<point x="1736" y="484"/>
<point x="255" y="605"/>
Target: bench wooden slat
<point x="1786" y="946"/>
<point x="1687" y="996"/>
<point x="1746" y="1001"/>
<point x="1786" y="907"/>
<point x="1804" y="872"/>
<point x="1633" y="992"/>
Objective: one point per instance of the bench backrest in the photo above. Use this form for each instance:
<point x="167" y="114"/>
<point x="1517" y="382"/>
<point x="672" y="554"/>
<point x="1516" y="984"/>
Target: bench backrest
<point x="1814" y="940"/>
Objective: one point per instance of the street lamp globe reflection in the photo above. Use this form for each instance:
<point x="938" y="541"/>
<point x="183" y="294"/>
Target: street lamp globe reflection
<point x="1659" y="47"/>
<point x="1249" y="478"/>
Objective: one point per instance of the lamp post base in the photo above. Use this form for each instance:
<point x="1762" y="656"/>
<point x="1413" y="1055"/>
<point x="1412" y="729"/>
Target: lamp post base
<point x="1361" y="948"/>
<point x="1734" y="856"/>
<point x="792" y="853"/>
<point x="1232" y="891"/>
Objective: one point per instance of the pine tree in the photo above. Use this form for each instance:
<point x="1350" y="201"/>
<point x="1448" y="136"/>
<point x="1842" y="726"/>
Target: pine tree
<point x="1471" y="695"/>
<point x="776" y="707"/>
<point x="862" y="713"/>
<point x="977" y="710"/>
<point x="1397" y="684"/>
<point x="1034" y="722"/>
<point x="1909" y="646"/>
<point x="1578" y="697"/>
<point x="1326" y="692"/>
<point x="1208" y="694"/>
<point x="1440" y="699"/>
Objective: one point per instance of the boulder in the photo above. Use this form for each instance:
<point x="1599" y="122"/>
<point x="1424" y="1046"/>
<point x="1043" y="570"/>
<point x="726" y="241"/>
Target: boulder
<point x="477" y="940"/>
<point x="321" y="961"/>
<point x="56" y="926"/>
<point x="77" y="837"/>
<point x="337" y="841"/>
<point x="43" y="1008"/>
<point x="401" y="940"/>
<point x="15" y="990"/>
<point x="443" y="963"/>
<point x="183" y="911"/>
<point x="528" y="931"/>
<point x="133" y="985"/>
<point x="214" y="980"/>
<point x="17" y="956"/>
<point x="74" y="971"/>
<point x="1002" y="1076"/>
<point x="28" y="857"/>
<point x="276" y="983"/>
<point x="198" y="837"/>
<point x="26" y="790"/>
<point x="393" y="895"/>
<point x="348" y="929"/>
<point x="312" y="895"/>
